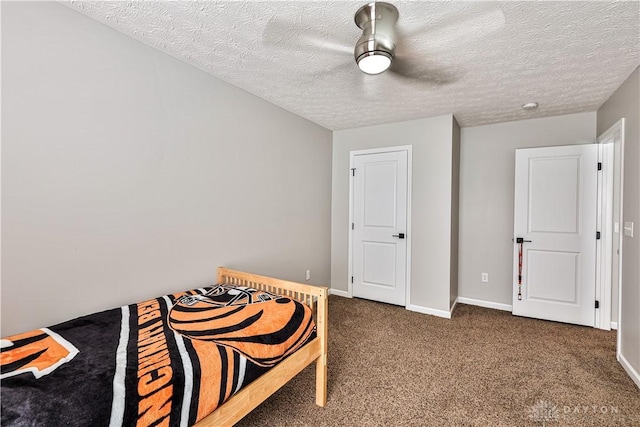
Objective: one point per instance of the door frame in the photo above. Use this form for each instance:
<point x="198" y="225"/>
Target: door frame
<point x="613" y="135"/>
<point x="408" y="149"/>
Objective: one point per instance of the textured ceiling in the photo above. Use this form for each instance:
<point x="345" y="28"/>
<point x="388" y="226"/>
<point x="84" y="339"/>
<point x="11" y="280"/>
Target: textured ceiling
<point x="477" y="60"/>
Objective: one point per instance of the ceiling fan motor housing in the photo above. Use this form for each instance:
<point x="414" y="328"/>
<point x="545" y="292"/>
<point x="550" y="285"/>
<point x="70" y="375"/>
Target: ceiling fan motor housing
<point x="377" y="21"/>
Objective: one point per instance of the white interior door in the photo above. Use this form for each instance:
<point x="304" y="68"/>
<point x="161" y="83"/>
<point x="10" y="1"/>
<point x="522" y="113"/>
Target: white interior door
<point x="555" y="213"/>
<point x="379" y="223"/>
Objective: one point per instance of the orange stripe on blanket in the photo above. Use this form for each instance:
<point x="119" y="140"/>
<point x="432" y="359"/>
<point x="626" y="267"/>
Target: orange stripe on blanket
<point x="210" y="362"/>
<point x="39" y="351"/>
<point x="265" y="332"/>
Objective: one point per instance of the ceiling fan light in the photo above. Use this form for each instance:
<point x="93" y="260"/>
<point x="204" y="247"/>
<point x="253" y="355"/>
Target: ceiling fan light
<point x="374" y="62"/>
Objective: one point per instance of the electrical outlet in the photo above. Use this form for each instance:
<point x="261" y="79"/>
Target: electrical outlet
<point x="307" y="275"/>
<point x="485" y="277"/>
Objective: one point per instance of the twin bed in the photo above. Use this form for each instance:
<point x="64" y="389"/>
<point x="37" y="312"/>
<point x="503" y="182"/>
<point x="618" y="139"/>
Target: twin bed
<point x="204" y="357"/>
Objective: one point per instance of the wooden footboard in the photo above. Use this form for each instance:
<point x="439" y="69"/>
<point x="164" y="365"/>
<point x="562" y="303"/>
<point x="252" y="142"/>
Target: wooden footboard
<point x="259" y="390"/>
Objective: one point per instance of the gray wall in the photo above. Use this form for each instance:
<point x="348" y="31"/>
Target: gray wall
<point x="625" y="103"/>
<point x="487" y="176"/>
<point x="431" y="214"/>
<point x="127" y="174"/>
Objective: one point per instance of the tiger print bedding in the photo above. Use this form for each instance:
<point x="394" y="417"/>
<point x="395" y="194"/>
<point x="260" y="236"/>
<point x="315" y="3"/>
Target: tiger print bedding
<point x="169" y="361"/>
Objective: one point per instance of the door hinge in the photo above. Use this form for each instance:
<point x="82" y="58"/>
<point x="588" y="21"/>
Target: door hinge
<point x="353" y="171"/>
<point x="597" y="304"/>
<point x="353" y="226"/>
<point x="599" y="166"/>
<point x="597" y="235"/>
<point x="351" y="279"/>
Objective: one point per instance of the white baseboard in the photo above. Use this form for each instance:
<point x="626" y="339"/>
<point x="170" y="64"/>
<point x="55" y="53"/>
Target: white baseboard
<point x="485" y="304"/>
<point x="627" y="367"/>
<point x="339" y="293"/>
<point x="614" y="325"/>
<point x="431" y="311"/>
<point x="410" y="307"/>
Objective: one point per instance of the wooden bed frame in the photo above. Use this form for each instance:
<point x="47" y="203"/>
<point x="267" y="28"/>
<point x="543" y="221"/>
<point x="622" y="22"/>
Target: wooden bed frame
<point x="254" y="394"/>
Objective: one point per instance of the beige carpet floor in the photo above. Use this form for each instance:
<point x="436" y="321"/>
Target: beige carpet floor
<point x="392" y="367"/>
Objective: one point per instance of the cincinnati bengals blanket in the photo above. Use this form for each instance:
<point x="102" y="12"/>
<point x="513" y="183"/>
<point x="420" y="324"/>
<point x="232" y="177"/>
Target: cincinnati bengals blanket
<point x="168" y="361"/>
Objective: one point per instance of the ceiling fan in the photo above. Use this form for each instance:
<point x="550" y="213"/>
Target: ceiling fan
<point x="384" y="47"/>
<point x="375" y="48"/>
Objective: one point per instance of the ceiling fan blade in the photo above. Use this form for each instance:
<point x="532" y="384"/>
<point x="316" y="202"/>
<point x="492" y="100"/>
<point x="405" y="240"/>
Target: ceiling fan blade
<point x="454" y="32"/>
<point x="278" y="33"/>
<point x="422" y="71"/>
<point x="368" y="87"/>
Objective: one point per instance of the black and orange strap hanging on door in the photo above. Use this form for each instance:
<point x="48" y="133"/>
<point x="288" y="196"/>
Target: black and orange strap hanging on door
<point x="520" y="242"/>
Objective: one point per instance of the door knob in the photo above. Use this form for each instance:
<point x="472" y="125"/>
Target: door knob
<point x="521" y="240"/>
<point x="399" y="235"/>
